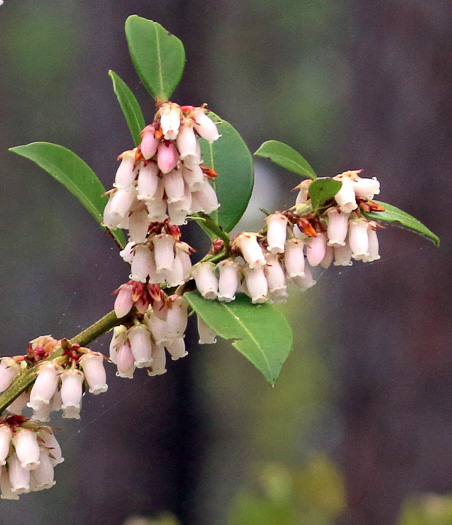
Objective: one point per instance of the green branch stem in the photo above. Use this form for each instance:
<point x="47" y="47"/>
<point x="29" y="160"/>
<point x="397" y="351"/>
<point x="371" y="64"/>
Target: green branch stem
<point x="25" y="380"/>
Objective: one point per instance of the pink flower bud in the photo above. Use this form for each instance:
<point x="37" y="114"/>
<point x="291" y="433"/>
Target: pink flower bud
<point x="163" y="251"/>
<point x="359" y="239"/>
<point x="193" y="176"/>
<point x="5" y="440"/>
<point x="316" y="249"/>
<point x="345" y="197"/>
<point x="167" y="156"/>
<point x="125" y="362"/>
<point x="27" y="449"/>
<point x="149" y="143"/>
<point x="247" y="243"/>
<point x="92" y="364"/>
<point x="186" y="140"/>
<point x="158" y="366"/>
<point x="342" y="255"/>
<point x="256" y="284"/>
<point x="9" y="370"/>
<point x="142" y="264"/>
<point x="294" y="258"/>
<point x="71" y="393"/>
<point x="305" y="281"/>
<point x="148" y="181"/>
<point x="47" y="439"/>
<point x="176" y="348"/>
<point x="170" y="115"/>
<point x="229" y="280"/>
<point x="206" y="281"/>
<point x="127" y="172"/>
<point x="19" y="477"/>
<point x="45" y="386"/>
<point x="206" y="335"/>
<point x="124" y="301"/>
<point x="141" y="345"/>
<point x="205" y="126"/>
<point x="207" y="198"/>
<point x="43" y="477"/>
<point x="337" y="227"/>
<point x="174" y="186"/>
<point x="276" y="232"/>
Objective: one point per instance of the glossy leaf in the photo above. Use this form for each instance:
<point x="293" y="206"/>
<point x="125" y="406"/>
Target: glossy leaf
<point x="230" y="157"/>
<point x="158" y="56"/>
<point x="69" y="169"/>
<point x="287" y="157"/>
<point x="260" y="332"/>
<point x="323" y="190"/>
<point x="393" y="214"/>
<point x="130" y="107"/>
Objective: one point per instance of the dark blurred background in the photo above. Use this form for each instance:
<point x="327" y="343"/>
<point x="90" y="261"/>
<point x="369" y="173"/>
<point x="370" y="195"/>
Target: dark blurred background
<point x="359" y="423"/>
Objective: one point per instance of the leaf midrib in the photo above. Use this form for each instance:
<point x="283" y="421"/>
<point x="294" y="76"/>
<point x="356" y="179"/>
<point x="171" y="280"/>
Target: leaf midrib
<point x="159" y="59"/>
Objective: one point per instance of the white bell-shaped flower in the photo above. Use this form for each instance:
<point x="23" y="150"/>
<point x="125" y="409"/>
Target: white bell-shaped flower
<point x="42" y="413"/>
<point x="294" y="258"/>
<point x="186" y="140"/>
<point x="206" y="197"/>
<point x="141" y="345"/>
<point x="143" y="264"/>
<point x="174" y="186"/>
<point x="163" y="251"/>
<point x="5" y="486"/>
<point x="316" y="249"/>
<point x="306" y="281"/>
<point x="19" y="477"/>
<point x="256" y="284"/>
<point x="206" y="281"/>
<point x="303" y="193"/>
<point x="337" y="227"/>
<point x="157" y="210"/>
<point x="139" y="225"/>
<point x="207" y="336"/>
<point x="125" y="362"/>
<point x="251" y="249"/>
<point x="148" y="181"/>
<point x="193" y="176"/>
<point x="9" y="370"/>
<point x="345" y="197"/>
<point x="276" y="232"/>
<point x="118" y="338"/>
<point x="122" y="201"/>
<point x="204" y="125"/>
<point x="182" y="250"/>
<point x="127" y="172"/>
<point x="43" y="477"/>
<point x="170" y="115"/>
<point x="158" y="326"/>
<point x="92" y="364"/>
<point x="47" y="439"/>
<point x="175" y="276"/>
<point x="343" y="255"/>
<point x="329" y="257"/>
<point x="177" y="316"/>
<point x="158" y="366"/>
<point x="45" y="385"/>
<point x="366" y="188"/>
<point x="128" y="253"/>
<point x="71" y="393"/>
<point x="229" y="280"/>
<point x="359" y="239"/>
<point x="274" y="273"/>
<point x="176" y="348"/>
<point x="25" y="442"/>
<point x="5" y="441"/>
<point x="373" y="244"/>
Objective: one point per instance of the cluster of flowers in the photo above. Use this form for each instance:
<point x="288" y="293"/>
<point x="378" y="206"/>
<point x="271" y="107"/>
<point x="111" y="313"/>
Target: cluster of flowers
<point x="60" y="382"/>
<point x="28" y="455"/>
<point x="294" y="242"/>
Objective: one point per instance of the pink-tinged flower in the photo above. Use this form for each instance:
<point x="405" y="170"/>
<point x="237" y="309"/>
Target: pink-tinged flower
<point x="251" y="250"/>
<point x="303" y="193"/>
<point x="47" y="439"/>
<point x="143" y="264"/>
<point x="141" y="345"/>
<point x="149" y="143"/>
<point x="366" y="188"/>
<point x="204" y="125"/>
<point x="337" y="227"/>
<point x="92" y="365"/>
<point x="45" y="386"/>
<point x="71" y="393"/>
<point x="43" y="477"/>
<point x="163" y="251"/>
<point x="316" y="249"/>
<point x="343" y="255"/>
<point x="193" y="176"/>
<point x="345" y="197"/>
<point x="170" y="115"/>
<point x="186" y="140"/>
<point x="177" y="316"/>
<point x="127" y="254"/>
<point x="127" y="172"/>
<point x="158" y="366"/>
<point x="176" y="348"/>
<point x="328" y="259"/>
<point x="306" y="281"/>
<point x="123" y="201"/>
<point x="124" y="301"/>
<point x="207" y="336"/>
<point x="359" y="239"/>
<point x="274" y="273"/>
<point x="182" y="250"/>
<point x="25" y="442"/>
<point x="229" y="280"/>
<point x="5" y="486"/>
<point x="158" y="326"/>
<point x="19" y="477"/>
<point x="256" y="284"/>
<point x="175" y="276"/>
<point x="276" y="232"/>
<point x="206" y="281"/>
<point x="156" y="210"/>
<point x="174" y="185"/>
<point x="191" y="161"/>
<point x="5" y="441"/>
<point x="178" y="210"/>
<point x="167" y="156"/>
<point x="373" y="243"/>
<point x="119" y="336"/>
<point x="148" y="181"/>
<point x="139" y="225"/>
<point x="294" y="258"/>
<point x="9" y="370"/>
<point x="125" y="362"/>
<point x="207" y="198"/>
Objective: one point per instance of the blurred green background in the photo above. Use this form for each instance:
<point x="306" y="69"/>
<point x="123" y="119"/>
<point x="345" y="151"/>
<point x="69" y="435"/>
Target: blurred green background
<point x="359" y="422"/>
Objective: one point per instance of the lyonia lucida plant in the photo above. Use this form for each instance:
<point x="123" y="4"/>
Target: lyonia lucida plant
<point x="187" y="164"/>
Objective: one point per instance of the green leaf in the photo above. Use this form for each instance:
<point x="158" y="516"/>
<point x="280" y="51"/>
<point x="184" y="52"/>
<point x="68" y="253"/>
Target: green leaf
<point x="322" y="190"/>
<point x="259" y="332"/>
<point x="158" y="56"/>
<point x="129" y="106"/>
<point x="393" y="214"/>
<point x="230" y="157"/>
<point x="69" y="169"/>
<point x="287" y="157"/>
